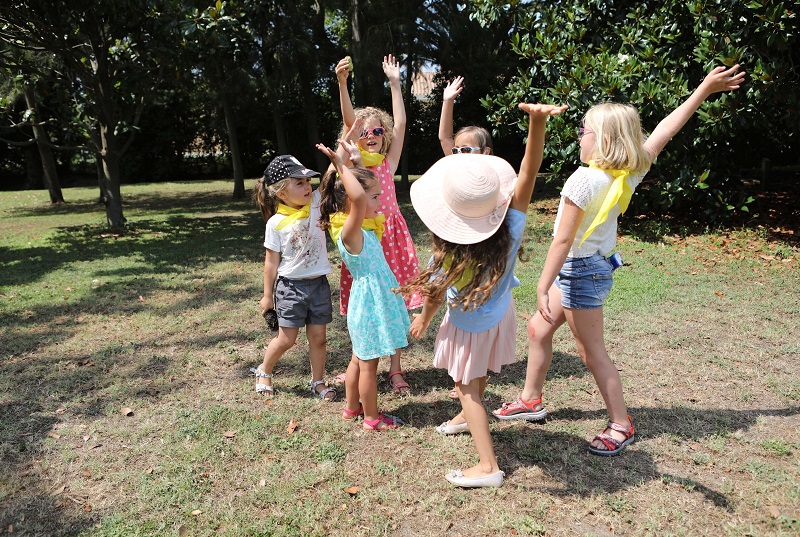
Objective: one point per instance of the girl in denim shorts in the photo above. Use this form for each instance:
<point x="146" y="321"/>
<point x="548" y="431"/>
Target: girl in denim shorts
<point x="576" y="277"/>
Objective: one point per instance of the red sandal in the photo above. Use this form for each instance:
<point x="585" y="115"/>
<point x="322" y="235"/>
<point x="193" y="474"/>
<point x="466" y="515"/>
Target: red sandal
<point x="350" y="415"/>
<point x="384" y="421"/>
<point x="521" y="410"/>
<point x="612" y="445"/>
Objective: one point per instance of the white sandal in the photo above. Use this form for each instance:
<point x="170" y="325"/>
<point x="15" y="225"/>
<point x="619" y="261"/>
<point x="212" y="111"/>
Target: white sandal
<point x="262" y="388"/>
<point x="323" y="393"/>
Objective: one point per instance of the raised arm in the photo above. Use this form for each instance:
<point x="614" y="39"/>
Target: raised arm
<point x="534" y="151"/>
<point x="719" y="79"/>
<point x="391" y="67"/>
<point x="342" y="72"/>
<point x="451" y="91"/>
<point x="352" y="237"/>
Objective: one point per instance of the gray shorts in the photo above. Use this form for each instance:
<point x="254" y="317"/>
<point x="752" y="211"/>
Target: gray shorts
<point x="302" y="302"/>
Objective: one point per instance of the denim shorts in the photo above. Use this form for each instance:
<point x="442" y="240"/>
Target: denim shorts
<point x="302" y="302"/>
<point x="585" y="282"/>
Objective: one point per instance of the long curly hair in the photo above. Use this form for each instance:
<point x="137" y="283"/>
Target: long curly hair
<point x="452" y="262"/>
<point x="368" y="112"/>
<point x="333" y="196"/>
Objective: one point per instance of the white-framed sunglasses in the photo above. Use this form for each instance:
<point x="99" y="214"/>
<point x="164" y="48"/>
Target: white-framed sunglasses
<point x="466" y="149"/>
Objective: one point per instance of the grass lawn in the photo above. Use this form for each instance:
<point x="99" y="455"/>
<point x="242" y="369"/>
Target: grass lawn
<point x="126" y="406"/>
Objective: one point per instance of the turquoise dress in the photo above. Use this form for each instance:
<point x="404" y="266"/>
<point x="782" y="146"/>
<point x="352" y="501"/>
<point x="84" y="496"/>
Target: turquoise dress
<point x="377" y="318"/>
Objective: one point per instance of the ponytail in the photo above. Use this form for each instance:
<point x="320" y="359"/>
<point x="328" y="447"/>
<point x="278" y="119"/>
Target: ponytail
<point x="266" y="197"/>
<point x="333" y="196"/>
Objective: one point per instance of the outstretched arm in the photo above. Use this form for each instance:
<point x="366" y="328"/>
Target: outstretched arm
<point x="391" y="67"/>
<point x="423" y="320"/>
<point x="719" y="79"/>
<point x="352" y="238"/>
<point x="534" y="151"/>
<point x="342" y="72"/>
<point x="451" y="91"/>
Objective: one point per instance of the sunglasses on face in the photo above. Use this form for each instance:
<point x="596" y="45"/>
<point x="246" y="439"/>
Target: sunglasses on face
<point x="377" y="132"/>
<point x="582" y="131"/>
<point x="466" y="149"/>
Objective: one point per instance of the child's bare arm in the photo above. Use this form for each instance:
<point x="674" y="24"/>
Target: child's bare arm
<point x="422" y="320"/>
<point x="342" y="72"/>
<point x="352" y="238"/>
<point x="534" y="151"/>
<point x="391" y="67"/>
<point x="271" y="261"/>
<point x="719" y="79"/>
<point x="451" y="91"/>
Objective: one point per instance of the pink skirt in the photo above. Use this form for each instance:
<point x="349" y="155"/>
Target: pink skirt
<point x="470" y="355"/>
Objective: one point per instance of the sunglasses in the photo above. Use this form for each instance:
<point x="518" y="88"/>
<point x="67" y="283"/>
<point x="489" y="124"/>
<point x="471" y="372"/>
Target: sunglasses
<point x="582" y="131"/>
<point x="377" y="131"/>
<point x="466" y="149"/>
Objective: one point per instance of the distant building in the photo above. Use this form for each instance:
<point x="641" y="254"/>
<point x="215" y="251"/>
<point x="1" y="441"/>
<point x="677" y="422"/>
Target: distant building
<point x="422" y="85"/>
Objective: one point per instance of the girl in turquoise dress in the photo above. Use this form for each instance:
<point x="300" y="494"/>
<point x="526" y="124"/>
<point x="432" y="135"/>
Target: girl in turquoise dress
<point x="377" y="318"/>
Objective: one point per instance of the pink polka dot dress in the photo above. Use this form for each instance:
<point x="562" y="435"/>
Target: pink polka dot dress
<point x="396" y="242"/>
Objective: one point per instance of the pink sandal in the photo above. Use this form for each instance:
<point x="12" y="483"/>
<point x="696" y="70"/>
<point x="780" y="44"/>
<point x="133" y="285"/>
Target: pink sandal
<point x="350" y="415"/>
<point x="384" y="421"/>
<point x="521" y="410"/>
<point x="401" y="387"/>
<point x="611" y="444"/>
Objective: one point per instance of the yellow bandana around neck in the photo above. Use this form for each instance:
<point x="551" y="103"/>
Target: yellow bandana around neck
<point x="466" y="276"/>
<point x="619" y="193"/>
<point x="371" y="159"/>
<point x="292" y="214"/>
<point x="370" y="224"/>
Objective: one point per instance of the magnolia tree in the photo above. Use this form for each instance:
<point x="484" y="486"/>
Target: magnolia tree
<point x="652" y="55"/>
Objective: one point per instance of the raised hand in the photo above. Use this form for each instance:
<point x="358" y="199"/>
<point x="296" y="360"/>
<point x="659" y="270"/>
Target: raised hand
<point x="352" y="150"/>
<point x="542" y="110"/>
<point x="391" y="67"/>
<point x="336" y="159"/>
<point x="722" y="79"/>
<point x="343" y="69"/>
<point x="453" y="89"/>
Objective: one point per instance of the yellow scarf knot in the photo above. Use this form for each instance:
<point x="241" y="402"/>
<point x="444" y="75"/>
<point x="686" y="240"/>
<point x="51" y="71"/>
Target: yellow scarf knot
<point x="370" y="224"/>
<point x="619" y="193"/>
<point x="292" y="214"/>
<point x="371" y="159"/>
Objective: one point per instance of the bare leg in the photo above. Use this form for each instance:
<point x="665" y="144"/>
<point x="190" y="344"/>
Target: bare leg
<point x="351" y="382"/>
<point x="275" y="349"/>
<point x="398" y="381"/>
<point x="368" y="387"/>
<point x="475" y="414"/>
<point x="317" y="354"/>
<point x="540" y="347"/>
<point x="587" y="327"/>
<point x="459" y="418"/>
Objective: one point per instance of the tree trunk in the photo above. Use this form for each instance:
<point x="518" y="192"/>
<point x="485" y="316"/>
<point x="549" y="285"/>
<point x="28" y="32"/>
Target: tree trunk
<point x="233" y="144"/>
<point x="110" y="185"/>
<point x="45" y="152"/>
<point x="357" y="52"/>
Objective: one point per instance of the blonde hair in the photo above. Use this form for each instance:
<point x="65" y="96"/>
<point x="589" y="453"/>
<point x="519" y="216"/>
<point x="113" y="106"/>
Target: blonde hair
<point x="266" y="196"/>
<point x="480" y="134"/>
<point x="619" y="139"/>
<point x="368" y="112"/>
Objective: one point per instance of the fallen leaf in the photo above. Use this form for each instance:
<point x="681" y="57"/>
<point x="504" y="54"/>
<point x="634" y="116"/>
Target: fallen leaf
<point x="262" y="482"/>
<point x="774" y="511"/>
<point x="54" y="435"/>
<point x="293" y="423"/>
<point x="11" y="528"/>
<point x="149" y="470"/>
<point x="525" y="315"/>
<point x="719" y="293"/>
<point x="352" y="491"/>
<point x="87" y="508"/>
<point x="126" y="411"/>
<point x="141" y="298"/>
<point x="182" y="531"/>
<point x="60" y="410"/>
<point x="229" y="434"/>
<point x="197" y="512"/>
<point x="86" y="473"/>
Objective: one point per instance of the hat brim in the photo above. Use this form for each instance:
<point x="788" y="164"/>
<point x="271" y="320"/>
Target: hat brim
<point x="429" y="202"/>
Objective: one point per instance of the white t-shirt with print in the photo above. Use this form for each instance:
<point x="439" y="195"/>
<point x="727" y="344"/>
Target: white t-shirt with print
<point x="587" y="188"/>
<point x="301" y="245"/>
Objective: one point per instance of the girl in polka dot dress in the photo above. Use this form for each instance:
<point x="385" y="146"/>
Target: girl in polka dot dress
<point x="381" y="143"/>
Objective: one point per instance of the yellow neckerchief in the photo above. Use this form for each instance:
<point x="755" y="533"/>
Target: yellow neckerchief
<point x="466" y="276"/>
<point x="619" y="193"/>
<point x="370" y="224"/>
<point x="371" y="159"/>
<point x="292" y="214"/>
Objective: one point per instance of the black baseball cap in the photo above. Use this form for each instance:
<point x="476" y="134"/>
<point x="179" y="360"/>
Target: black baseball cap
<point x="286" y="166"/>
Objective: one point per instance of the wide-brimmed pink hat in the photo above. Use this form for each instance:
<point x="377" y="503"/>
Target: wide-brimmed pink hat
<point x="463" y="199"/>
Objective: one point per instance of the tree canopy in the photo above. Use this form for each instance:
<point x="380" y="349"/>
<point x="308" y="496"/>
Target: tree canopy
<point x="160" y="90"/>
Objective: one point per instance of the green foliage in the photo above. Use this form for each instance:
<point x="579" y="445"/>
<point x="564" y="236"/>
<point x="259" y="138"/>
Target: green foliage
<point x="652" y="55"/>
